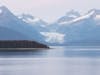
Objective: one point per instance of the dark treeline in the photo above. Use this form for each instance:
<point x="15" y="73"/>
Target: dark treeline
<point x="20" y="44"/>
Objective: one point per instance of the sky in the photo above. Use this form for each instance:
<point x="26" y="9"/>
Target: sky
<point x="49" y="10"/>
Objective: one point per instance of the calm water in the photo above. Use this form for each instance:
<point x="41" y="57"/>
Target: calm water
<point x="55" y="61"/>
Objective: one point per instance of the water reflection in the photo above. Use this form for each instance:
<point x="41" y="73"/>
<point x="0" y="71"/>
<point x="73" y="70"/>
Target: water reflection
<point x="54" y="52"/>
<point x="59" y="61"/>
<point x="50" y="66"/>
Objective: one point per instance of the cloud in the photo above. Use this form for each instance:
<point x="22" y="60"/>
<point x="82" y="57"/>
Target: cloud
<point x="53" y="37"/>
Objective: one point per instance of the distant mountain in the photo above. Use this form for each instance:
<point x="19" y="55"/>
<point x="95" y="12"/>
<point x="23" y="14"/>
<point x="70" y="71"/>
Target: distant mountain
<point x="75" y="29"/>
<point x="9" y="34"/>
<point x="82" y="29"/>
<point x="71" y="29"/>
<point x="37" y="23"/>
<point x="13" y="23"/>
<point x="71" y="15"/>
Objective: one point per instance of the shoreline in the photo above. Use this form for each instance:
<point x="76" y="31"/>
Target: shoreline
<point x="23" y="49"/>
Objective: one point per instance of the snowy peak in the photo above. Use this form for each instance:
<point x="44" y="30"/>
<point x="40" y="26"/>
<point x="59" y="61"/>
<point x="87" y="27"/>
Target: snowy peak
<point x="31" y="19"/>
<point x="1" y="9"/>
<point x="26" y="18"/>
<point x="5" y="14"/>
<point x="35" y="22"/>
<point x="96" y="15"/>
<point x="97" y="11"/>
<point x="9" y="20"/>
<point x="73" y="14"/>
<point x="69" y="16"/>
<point x="90" y="15"/>
<point x="4" y="10"/>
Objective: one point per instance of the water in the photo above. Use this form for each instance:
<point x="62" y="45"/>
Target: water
<point x="55" y="61"/>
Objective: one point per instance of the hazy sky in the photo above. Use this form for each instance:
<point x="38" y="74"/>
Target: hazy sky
<point x="49" y="10"/>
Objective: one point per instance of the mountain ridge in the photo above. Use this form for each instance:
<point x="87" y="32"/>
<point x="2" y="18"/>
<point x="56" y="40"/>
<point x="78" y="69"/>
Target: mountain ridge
<point x="73" y="27"/>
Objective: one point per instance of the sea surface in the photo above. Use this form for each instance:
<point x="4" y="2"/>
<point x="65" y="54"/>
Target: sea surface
<point x="61" y="60"/>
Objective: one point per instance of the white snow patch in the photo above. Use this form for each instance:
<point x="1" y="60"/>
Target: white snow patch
<point x="97" y="19"/>
<point x="74" y="16"/>
<point x="0" y="11"/>
<point x="53" y="37"/>
<point x="35" y="20"/>
<point x="28" y="20"/>
<point x="79" y="18"/>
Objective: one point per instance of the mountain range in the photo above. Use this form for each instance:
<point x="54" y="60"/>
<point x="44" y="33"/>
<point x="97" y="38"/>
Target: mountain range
<point x="11" y="25"/>
<point x="71" y="29"/>
<point x="82" y="29"/>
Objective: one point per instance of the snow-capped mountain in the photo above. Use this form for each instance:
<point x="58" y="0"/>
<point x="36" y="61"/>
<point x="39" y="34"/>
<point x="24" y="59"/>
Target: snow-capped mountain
<point x="71" y="29"/>
<point x="92" y="14"/>
<point x="75" y="28"/>
<point x="71" y="15"/>
<point x="16" y="26"/>
<point x="84" y="28"/>
<point x="37" y="23"/>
